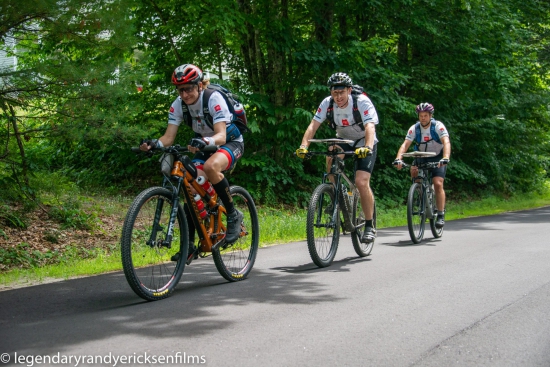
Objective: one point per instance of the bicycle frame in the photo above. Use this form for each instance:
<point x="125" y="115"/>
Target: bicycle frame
<point x="337" y="171"/>
<point x="425" y="179"/>
<point x="209" y="234"/>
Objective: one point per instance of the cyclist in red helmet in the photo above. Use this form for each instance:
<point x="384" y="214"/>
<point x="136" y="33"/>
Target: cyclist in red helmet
<point x="188" y="80"/>
<point x="429" y="135"/>
<point x="353" y="118"/>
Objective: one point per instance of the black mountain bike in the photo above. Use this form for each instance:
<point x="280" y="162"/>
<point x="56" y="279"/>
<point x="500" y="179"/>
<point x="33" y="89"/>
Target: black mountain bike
<point x="421" y="204"/>
<point x="333" y="204"/>
<point x="155" y="235"/>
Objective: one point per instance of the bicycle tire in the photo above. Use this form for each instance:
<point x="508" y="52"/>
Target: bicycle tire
<point x="322" y="236"/>
<point x="235" y="261"/>
<point x="148" y="268"/>
<point x="437" y="232"/>
<point x="416" y="214"/>
<point x="358" y="217"/>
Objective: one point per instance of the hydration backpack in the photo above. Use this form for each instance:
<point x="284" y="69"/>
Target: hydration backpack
<point x="356" y="91"/>
<point x="235" y="107"/>
<point x="418" y="137"/>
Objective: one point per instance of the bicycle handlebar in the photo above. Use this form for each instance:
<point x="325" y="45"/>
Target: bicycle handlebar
<point x="173" y="149"/>
<point x="424" y="165"/>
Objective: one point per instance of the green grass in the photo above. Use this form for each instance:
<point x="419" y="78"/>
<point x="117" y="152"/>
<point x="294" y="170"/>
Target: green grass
<point x="277" y="225"/>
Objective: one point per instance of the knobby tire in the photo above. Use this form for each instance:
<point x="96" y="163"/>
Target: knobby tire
<point x="146" y="261"/>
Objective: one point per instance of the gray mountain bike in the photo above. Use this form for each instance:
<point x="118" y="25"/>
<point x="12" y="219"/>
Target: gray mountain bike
<point x="334" y="203"/>
<point x="421" y="204"/>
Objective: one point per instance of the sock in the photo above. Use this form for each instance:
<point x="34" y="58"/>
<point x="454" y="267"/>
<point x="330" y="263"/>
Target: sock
<point x="368" y="223"/>
<point x="222" y="189"/>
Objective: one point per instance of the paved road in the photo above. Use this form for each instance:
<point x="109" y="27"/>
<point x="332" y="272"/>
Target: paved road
<point x="479" y="296"/>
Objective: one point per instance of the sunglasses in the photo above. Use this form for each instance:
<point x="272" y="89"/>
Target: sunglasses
<point x="187" y="90"/>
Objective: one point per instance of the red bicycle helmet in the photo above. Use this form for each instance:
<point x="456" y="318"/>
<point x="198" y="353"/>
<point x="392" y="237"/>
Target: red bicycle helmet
<point x="187" y="74"/>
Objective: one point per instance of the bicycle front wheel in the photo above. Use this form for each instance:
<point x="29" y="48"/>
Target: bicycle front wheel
<point x="358" y="217"/>
<point x="323" y="225"/>
<point x="416" y="215"/>
<point x="146" y="247"/>
<point x="235" y="261"/>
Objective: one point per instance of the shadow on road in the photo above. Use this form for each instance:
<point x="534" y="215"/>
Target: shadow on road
<point x="53" y="317"/>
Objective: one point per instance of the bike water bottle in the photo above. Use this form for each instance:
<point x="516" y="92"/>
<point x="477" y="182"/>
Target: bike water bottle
<point x="200" y="206"/>
<point x="206" y="185"/>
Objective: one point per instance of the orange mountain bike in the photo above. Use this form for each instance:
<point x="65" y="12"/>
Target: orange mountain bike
<point x="155" y="235"/>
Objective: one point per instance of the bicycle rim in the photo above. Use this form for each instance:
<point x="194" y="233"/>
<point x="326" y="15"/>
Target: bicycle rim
<point x="235" y="262"/>
<point x="146" y="257"/>
<point x="362" y="249"/>
<point x="416" y="215"/>
<point x="323" y="226"/>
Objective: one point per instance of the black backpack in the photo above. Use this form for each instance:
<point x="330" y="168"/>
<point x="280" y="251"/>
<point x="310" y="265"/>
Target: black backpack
<point x="356" y="91"/>
<point x="235" y="107"/>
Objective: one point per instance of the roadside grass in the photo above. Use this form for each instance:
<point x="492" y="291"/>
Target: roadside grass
<point x="278" y="225"/>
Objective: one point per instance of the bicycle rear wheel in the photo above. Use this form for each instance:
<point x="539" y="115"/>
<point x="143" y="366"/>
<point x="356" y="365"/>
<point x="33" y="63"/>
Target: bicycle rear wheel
<point x="146" y="252"/>
<point x="323" y="225"/>
<point x="235" y="261"/>
<point x="437" y="232"/>
<point x="416" y="214"/>
<point x="358" y="217"/>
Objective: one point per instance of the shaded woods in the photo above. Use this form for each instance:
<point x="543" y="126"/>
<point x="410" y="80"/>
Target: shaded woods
<point x="71" y="110"/>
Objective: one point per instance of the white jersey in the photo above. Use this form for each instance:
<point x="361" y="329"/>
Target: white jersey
<point x="216" y="106"/>
<point x="344" y="121"/>
<point x="425" y="136"/>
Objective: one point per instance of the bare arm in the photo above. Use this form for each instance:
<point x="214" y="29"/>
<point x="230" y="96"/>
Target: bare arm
<point x="403" y="149"/>
<point x="369" y="134"/>
<point x="446" y="147"/>
<point x="310" y="132"/>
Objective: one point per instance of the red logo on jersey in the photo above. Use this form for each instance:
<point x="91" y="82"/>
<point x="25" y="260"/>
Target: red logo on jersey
<point x="442" y="129"/>
<point x="171" y="109"/>
<point x="217" y="108"/>
<point x="366" y="112"/>
<point x="426" y="138"/>
<point x="345" y="122"/>
<point x="319" y="110"/>
<point x="410" y="132"/>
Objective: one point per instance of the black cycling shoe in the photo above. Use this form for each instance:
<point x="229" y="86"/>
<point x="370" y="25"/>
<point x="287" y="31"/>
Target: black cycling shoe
<point x="192" y="254"/>
<point x="233" y="231"/>
<point x="440" y="222"/>
<point x="369" y="235"/>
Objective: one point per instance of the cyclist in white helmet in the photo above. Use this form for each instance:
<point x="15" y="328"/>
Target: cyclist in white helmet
<point x="353" y="118"/>
<point x="429" y="135"/>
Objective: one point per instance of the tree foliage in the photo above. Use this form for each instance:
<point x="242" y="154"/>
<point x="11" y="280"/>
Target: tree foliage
<point x="72" y="104"/>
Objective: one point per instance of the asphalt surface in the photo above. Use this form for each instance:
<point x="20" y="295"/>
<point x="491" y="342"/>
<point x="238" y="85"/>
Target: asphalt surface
<point x="479" y="296"/>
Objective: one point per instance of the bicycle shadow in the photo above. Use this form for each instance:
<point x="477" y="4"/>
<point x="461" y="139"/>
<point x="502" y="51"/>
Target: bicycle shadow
<point x="61" y="316"/>
<point x="337" y="265"/>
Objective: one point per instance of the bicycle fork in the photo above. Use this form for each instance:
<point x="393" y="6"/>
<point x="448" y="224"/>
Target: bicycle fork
<point x="167" y="242"/>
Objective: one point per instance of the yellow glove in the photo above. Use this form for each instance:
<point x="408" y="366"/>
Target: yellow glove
<point x="301" y="152"/>
<point x="362" y="152"/>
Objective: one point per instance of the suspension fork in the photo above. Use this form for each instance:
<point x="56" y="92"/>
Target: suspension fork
<point x="173" y="215"/>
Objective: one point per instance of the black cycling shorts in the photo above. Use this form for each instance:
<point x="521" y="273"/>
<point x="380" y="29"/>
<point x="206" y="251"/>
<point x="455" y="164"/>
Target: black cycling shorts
<point x="362" y="164"/>
<point x="435" y="172"/>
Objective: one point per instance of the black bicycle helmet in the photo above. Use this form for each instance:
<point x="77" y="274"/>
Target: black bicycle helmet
<point x="337" y="79"/>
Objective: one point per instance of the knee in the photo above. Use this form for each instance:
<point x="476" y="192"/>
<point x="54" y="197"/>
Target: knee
<point x="438" y="184"/>
<point x="209" y="168"/>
